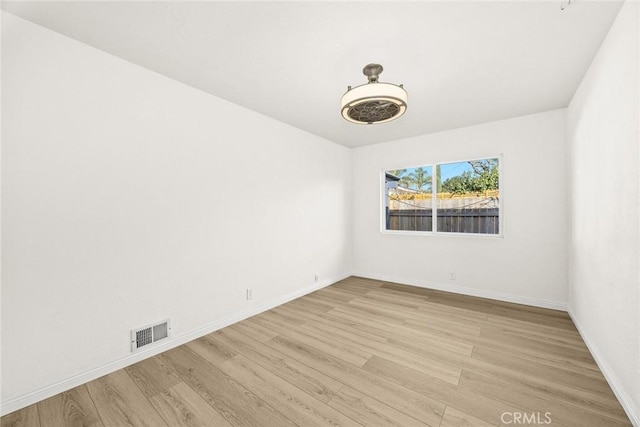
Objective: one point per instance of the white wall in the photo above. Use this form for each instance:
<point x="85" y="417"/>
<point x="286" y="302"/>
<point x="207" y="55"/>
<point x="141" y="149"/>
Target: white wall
<point x="129" y="198"/>
<point x="529" y="264"/>
<point x="602" y="134"/>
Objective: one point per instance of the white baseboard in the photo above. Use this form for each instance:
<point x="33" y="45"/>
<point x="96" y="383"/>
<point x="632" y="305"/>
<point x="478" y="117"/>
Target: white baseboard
<point x="499" y="296"/>
<point x="633" y="412"/>
<point x="20" y="402"/>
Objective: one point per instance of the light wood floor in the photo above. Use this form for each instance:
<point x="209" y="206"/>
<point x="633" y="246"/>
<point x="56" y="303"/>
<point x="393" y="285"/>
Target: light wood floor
<point x="360" y="352"/>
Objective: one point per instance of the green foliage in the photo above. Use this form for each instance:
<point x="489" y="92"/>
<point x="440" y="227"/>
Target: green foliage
<point x="484" y="176"/>
<point x="419" y="179"/>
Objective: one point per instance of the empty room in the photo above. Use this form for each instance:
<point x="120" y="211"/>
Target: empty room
<point x="299" y="213"/>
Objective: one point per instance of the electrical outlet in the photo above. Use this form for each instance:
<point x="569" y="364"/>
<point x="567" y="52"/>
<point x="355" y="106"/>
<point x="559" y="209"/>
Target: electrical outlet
<point x="452" y="275"/>
<point x="249" y="294"/>
<point x="317" y="277"/>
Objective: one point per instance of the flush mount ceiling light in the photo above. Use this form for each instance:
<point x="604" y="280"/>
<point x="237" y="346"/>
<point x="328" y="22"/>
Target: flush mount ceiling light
<point x="373" y="102"/>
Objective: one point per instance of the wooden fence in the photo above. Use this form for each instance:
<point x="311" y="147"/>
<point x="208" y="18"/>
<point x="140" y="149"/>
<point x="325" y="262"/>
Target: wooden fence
<point x="399" y="195"/>
<point x="479" y="221"/>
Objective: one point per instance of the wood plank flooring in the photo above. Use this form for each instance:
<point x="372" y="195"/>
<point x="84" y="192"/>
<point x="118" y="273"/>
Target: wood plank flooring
<point x="358" y="353"/>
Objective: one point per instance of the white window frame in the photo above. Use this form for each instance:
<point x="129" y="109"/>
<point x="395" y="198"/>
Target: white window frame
<point x="434" y="209"/>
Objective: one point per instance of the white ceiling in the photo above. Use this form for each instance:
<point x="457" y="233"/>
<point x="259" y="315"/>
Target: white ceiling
<point x="461" y="62"/>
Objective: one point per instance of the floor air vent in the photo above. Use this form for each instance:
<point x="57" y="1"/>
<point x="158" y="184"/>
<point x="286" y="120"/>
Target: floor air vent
<point x="149" y="334"/>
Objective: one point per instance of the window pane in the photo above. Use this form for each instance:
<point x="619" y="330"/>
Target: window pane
<point x="408" y="199"/>
<point x="468" y="199"/>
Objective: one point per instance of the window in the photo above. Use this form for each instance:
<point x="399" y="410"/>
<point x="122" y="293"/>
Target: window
<point x="464" y="198"/>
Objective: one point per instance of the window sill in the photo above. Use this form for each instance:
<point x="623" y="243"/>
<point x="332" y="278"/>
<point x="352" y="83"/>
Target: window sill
<point x="442" y="234"/>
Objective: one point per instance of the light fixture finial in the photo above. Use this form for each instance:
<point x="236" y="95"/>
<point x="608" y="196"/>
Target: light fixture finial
<point x="372" y="71"/>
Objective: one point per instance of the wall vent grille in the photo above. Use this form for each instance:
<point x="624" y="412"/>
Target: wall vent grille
<point x="149" y="334"/>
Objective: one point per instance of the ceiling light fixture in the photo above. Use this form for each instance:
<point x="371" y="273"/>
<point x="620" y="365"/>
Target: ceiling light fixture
<point x="373" y="102"/>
